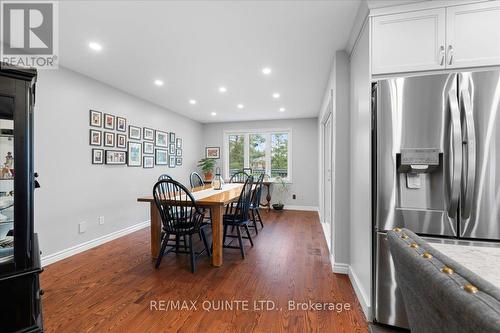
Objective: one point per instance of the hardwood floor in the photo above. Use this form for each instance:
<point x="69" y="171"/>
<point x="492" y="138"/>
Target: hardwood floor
<point x="113" y="287"/>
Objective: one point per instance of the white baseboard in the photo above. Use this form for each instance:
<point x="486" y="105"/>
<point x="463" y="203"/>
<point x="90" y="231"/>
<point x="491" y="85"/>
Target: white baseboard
<point x="52" y="258"/>
<point x="340" y="268"/>
<point x="362" y="297"/>
<point x="306" y="208"/>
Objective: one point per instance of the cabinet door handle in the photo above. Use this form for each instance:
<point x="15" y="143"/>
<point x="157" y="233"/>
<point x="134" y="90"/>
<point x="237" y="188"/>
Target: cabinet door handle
<point x="441" y="53"/>
<point x="450" y="53"/>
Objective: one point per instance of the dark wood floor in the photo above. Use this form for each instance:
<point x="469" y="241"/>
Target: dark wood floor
<point x="110" y="288"/>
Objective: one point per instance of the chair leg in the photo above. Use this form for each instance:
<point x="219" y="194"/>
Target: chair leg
<point x="162" y="250"/>
<point x="224" y="237"/>
<point x="191" y="254"/>
<point x="260" y="218"/>
<point x="248" y="234"/>
<point x="205" y="243"/>
<point x="254" y="220"/>
<point x="242" y="250"/>
<point x="176" y="244"/>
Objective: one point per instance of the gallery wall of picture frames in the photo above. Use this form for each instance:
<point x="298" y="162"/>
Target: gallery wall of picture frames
<point x="130" y="145"/>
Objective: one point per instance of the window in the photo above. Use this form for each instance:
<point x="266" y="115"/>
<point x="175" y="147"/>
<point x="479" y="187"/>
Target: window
<point x="261" y="151"/>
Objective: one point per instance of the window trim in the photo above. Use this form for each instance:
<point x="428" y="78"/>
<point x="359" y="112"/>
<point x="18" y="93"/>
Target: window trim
<point x="246" y="132"/>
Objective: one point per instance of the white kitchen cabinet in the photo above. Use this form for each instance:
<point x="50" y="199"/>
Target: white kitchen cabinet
<point x="473" y="35"/>
<point x="408" y="42"/>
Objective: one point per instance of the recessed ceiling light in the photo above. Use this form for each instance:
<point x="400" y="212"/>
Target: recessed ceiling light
<point x="222" y="89"/>
<point x="282" y="109"/>
<point x="192" y="101"/>
<point x="95" y="46"/>
<point x="213" y="114"/>
<point x="159" y="83"/>
<point x="276" y="95"/>
<point x="240" y="106"/>
<point x="266" y="70"/>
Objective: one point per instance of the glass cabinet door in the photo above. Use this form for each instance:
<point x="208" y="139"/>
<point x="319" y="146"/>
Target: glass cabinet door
<point x="6" y="186"/>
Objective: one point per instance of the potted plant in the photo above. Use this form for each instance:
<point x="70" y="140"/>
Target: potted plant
<point x="282" y="188"/>
<point x="207" y="166"/>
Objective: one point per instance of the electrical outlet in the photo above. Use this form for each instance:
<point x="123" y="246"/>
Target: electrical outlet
<point x="82" y="227"/>
<point x="100" y="219"/>
<point x="294" y="196"/>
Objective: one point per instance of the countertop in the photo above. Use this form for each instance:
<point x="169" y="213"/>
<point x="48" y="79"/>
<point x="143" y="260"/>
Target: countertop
<point x="483" y="261"/>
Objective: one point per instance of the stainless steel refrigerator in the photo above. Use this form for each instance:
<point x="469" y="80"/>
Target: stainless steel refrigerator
<point x="436" y="170"/>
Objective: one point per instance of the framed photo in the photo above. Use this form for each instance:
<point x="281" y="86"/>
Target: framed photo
<point x="161" y="157"/>
<point x="178" y="152"/>
<point x="171" y="137"/>
<point x="95" y="118"/>
<point x="134" y="155"/>
<point x="161" y="139"/>
<point x="178" y="161"/>
<point x="109" y="121"/>
<point x="148" y="162"/>
<point x="149" y="147"/>
<point x="116" y="157"/>
<point x="121" y="124"/>
<point x="109" y="139"/>
<point x="121" y="141"/>
<point x="212" y="152"/>
<point x="97" y="156"/>
<point x="95" y="137"/>
<point x="178" y="143"/>
<point x="134" y="132"/>
<point x="171" y="161"/>
<point x="171" y="149"/>
<point x="148" y="134"/>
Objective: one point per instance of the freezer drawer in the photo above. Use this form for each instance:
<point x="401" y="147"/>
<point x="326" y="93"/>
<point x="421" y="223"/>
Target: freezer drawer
<point x="389" y="305"/>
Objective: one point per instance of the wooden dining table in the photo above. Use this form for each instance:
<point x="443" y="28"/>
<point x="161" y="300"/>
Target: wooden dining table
<point x="215" y="200"/>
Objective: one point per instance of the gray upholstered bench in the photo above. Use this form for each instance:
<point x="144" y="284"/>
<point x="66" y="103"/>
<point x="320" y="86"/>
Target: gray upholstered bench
<point x="439" y="294"/>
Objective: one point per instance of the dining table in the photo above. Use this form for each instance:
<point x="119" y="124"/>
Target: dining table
<point x="205" y="197"/>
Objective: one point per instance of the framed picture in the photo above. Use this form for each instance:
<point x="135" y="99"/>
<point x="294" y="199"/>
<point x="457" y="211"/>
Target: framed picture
<point x="178" y="143"/>
<point x="97" y="156"/>
<point x="148" y="162"/>
<point x="178" y="161"/>
<point x="121" y="124"/>
<point x="149" y="147"/>
<point x="134" y="132"/>
<point x="171" y="161"/>
<point x="121" y="141"/>
<point x="178" y="152"/>
<point x="95" y="118"/>
<point x="109" y="121"/>
<point x="171" y="137"/>
<point x="95" y="137"/>
<point x="171" y="149"/>
<point x="161" y="139"/>
<point x="212" y="152"/>
<point x="116" y="157"/>
<point x="134" y="155"/>
<point x="161" y="157"/>
<point x="109" y="139"/>
<point x="148" y="134"/>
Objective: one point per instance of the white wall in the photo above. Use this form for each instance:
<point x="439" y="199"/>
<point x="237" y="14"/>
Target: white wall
<point x="360" y="180"/>
<point x="73" y="190"/>
<point x="304" y="153"/>
<point x="339" y="83"/>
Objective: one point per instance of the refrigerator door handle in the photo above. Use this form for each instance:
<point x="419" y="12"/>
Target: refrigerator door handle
<point x="469" y="142"/>
<point x="456" y="153"/>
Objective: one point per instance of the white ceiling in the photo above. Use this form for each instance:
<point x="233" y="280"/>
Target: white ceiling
<point x="197" y="46"/>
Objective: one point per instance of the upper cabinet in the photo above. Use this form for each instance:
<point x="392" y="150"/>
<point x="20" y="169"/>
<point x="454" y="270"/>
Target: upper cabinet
<point x="406" y="42"/>
<point x="440" y="38"/>
<point x="473" y="35"/>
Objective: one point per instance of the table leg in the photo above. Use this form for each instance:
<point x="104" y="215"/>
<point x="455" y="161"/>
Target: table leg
<point x="217" y="212"/>
<point x="268" y="197"/>
<point x="155" y="231"/>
